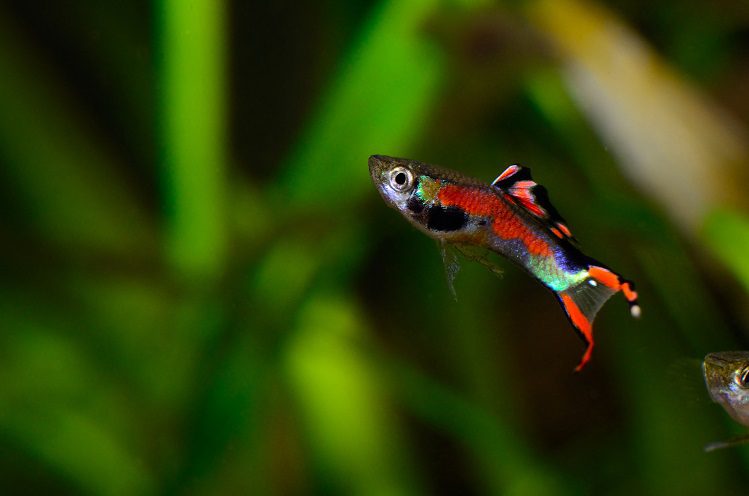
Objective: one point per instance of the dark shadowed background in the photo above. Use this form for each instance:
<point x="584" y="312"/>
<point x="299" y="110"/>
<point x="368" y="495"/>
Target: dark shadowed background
<point x="203" y="293"/>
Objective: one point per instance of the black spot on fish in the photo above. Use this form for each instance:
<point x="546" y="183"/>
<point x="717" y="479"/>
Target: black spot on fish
<point x="446" y="219"/>
<point x="415" y="205"/>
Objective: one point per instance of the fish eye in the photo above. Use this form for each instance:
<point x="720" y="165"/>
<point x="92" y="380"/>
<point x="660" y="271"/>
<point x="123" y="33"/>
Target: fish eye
<point x="742" y="378"/>
<point x="401" y="179"/>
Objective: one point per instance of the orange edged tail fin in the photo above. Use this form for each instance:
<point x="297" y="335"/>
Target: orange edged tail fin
<point x="582" y="323"/>
<point x="617" y="283"/>
<point x="582" y="302"/>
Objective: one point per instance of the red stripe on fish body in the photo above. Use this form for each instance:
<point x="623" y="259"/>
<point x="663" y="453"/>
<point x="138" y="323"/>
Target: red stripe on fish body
<point x="506" y="223"/>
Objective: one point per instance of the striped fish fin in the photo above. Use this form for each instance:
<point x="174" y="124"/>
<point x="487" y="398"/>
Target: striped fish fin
<point x="517" y="185"/>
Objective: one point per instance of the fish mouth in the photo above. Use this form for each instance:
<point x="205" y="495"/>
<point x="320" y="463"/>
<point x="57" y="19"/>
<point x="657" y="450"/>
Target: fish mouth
<point x="380" y="167"/>
<point x="377" y="167"/>
<point x="377" y="164"/>
<point x="378" y="159"/>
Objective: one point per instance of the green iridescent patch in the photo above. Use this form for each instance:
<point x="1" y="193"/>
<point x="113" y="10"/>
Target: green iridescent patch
<point x="428" y="188"/>
<point x="547" y="270"/>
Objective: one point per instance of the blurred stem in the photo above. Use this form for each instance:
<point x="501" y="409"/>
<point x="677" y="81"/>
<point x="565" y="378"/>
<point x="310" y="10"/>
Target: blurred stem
<point x="350" y="423"/>
<point x="193" y="133"/>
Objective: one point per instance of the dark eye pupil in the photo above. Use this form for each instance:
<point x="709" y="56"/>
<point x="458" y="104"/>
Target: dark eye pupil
<point x="400" y="178"/>
<point x="744" y="378"/>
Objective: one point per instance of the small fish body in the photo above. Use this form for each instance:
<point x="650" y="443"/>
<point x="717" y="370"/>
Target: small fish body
<point x="727" y="379"/>
<point x="512" y="217"/>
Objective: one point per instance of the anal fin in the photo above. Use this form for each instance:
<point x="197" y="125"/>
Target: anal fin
<point x="478" y="254"/>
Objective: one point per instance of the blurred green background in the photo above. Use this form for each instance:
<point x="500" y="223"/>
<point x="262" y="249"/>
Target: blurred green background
<point x="202" y="292"/>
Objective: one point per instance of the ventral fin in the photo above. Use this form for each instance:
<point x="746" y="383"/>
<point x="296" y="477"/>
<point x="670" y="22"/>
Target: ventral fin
<point x="518" y="185"/>
<point x="452" y="266"/>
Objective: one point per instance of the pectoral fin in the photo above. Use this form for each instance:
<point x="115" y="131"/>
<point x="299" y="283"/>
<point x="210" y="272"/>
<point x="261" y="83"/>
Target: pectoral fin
<point x="729" y="443"/>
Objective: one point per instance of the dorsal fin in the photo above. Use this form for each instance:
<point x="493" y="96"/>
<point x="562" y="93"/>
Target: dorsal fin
<point x="516" y="183"/>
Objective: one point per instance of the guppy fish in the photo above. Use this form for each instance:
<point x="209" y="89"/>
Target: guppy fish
<point x="512" y="217"/>
<point x="727" y="380"/>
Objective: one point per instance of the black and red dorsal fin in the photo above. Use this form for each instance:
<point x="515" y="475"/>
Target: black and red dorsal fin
<point x="517" y="184"/>
<point x="582" y="302"/>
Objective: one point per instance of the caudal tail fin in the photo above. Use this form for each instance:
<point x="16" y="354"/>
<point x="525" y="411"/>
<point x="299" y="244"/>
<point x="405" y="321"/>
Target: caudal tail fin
<point x="582" y="302"/>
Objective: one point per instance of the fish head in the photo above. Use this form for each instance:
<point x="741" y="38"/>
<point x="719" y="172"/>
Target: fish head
<point x="395" y="178"/>
<point x="414" y="188"/>
<point x="409" y="186"/>
<point x="727" y="379"/>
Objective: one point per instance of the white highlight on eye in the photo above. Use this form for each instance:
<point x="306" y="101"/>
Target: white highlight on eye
<point x="742" y="378"/>
<point x="592" y="282"/>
